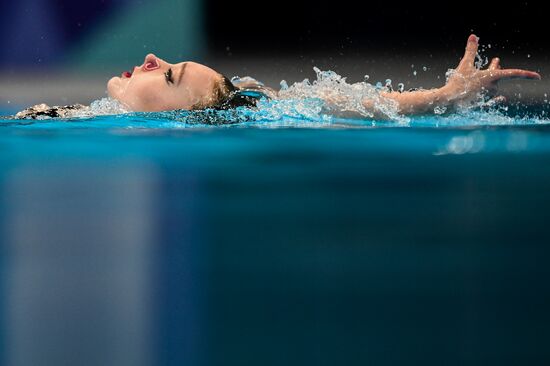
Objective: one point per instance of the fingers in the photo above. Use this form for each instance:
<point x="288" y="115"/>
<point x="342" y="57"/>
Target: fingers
<point x="470" y="53"/>
<point x="495" y="64"/>
<point x="514" y="74"/>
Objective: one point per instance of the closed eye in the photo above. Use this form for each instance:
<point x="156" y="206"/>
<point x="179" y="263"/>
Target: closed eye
<point x="169" y="76"/>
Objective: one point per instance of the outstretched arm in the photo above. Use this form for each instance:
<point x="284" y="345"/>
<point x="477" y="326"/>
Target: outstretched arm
<point x="463" y="85"/>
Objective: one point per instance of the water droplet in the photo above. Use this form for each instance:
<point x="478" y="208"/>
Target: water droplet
<point x="424" y="68"/>
<point x="414" y="72"/>
<point x="401" y="87"/>
<point x="440" y="109"/>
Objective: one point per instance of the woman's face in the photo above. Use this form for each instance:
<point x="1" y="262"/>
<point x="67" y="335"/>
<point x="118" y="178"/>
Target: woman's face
<point x="159" y="86"/>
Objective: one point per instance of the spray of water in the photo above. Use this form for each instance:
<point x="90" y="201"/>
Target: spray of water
<point x="329" y="100"/>
<point x="330" y="96"/>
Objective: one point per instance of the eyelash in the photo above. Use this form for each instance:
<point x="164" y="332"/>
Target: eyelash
<point x="168" y="76"/>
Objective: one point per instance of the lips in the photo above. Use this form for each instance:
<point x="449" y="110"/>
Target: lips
<point x="151" y="63"/>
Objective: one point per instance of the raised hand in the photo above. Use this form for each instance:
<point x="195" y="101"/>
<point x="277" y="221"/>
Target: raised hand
<point x="466" y="82"/>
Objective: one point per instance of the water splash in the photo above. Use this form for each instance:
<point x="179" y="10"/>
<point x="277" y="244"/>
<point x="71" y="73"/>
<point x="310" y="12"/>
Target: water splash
<point x="100" y="107"/>
<point x="328" y="101"/>
<point x="107" y="106"/>
<point x="330" y="94"/>
<point x="440" y="110"/>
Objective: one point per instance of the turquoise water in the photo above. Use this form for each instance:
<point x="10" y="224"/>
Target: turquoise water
<point x="137" y="239"/>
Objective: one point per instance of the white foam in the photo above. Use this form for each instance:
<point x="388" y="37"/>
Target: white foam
<point x="331" y="95"/>
<point x="100" y="107"/>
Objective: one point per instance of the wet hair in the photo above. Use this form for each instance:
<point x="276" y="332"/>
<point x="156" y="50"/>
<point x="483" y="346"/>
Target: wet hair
<point x="225" y="95"/>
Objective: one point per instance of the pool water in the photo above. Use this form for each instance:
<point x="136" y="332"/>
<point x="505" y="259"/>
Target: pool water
<point x="135" y="239"/>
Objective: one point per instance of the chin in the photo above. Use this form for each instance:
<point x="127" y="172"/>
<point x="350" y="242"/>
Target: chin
<point x="113" y="87"/>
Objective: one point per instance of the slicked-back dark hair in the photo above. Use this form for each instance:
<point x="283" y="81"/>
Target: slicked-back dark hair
<point x="227" y="96"/>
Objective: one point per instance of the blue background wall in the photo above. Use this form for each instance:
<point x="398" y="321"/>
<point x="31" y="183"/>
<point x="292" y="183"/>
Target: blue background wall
<point x="97" y="34"/>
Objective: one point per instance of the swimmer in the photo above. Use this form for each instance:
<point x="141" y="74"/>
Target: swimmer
<point x="157" y="85"/>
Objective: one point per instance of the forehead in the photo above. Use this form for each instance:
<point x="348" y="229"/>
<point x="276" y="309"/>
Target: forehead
<point x="197" y="85"/>
<point x="196" y="76"/>
<point x="196" y="68"/>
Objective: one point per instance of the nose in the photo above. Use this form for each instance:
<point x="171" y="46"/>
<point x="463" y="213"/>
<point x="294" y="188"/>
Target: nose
<point x="151" y="63"/>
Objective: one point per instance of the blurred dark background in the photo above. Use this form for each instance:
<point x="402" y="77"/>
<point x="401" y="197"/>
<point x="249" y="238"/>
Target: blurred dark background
<point x="285" y="26"/>
<point x="351" y="26"/>
<point x="60" y="51"/>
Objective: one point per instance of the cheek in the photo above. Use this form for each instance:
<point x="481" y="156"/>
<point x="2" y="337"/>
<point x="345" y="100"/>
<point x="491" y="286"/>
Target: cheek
<point x="142" y="94"/>
<point x="186" y="98"/>
<point x="135" y="94"/>
<point x="144" y="98"/>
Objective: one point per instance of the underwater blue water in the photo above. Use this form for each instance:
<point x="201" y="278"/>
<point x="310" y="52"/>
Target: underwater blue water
<point x="138" y="239"/>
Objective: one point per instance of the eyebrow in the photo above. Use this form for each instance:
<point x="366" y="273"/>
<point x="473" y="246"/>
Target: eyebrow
<point x="182" y="71"/>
